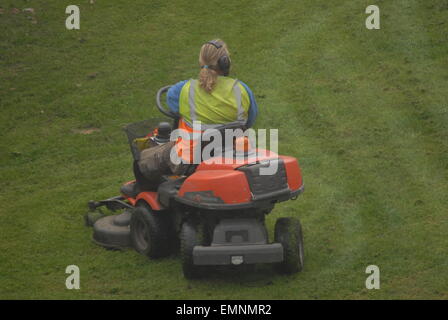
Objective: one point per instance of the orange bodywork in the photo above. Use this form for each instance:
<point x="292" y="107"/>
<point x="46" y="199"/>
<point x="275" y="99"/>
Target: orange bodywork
<point x="228" y="185"/>
<point x="221" y="182"/>
<point x="220" y="164"/>
<point x="293" y="172"/>
<point x="148" y="196"/>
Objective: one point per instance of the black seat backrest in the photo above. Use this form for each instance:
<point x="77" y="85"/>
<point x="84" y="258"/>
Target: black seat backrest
<point x="208" y="135"/>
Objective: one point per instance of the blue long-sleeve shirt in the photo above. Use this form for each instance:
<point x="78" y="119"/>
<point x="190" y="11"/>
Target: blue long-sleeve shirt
<point x="173" y="96"/>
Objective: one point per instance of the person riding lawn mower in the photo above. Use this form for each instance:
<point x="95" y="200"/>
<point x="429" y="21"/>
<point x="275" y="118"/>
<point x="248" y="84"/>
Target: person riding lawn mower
<point x="215" y="210"/>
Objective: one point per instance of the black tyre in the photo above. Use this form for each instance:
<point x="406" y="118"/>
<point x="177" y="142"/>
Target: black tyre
<point x="150" y="232"/>
<point x="189" y="238"/>
<point x="288" y="232"/>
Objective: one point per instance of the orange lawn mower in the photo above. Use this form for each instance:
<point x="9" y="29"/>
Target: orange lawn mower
<point x="215" y="213"/>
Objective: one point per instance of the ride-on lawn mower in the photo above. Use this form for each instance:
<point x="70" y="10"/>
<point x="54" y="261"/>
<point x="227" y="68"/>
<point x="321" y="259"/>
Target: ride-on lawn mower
<point x="216" y="212"/>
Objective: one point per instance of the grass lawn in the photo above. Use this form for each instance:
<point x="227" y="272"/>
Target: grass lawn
<point x="364" y="111"/>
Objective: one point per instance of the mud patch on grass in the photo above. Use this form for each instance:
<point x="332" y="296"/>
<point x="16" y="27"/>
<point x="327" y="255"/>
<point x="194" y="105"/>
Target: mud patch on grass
<point x="86" y="130"/>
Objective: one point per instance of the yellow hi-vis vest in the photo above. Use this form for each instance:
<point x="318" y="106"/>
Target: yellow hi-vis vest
<point x="227" y="103"/>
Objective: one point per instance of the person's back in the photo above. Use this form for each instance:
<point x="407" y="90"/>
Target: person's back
<point x="214" y="98"/>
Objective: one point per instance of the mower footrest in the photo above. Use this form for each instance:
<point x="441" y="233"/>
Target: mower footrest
<point x="238" y="254"/>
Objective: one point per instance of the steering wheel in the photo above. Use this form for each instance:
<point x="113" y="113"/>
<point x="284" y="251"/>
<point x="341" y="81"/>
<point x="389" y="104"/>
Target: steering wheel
<point x="161" y="108"/>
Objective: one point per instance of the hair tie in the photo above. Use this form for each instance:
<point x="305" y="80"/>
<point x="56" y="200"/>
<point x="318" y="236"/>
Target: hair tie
<point x="204" y="66"/>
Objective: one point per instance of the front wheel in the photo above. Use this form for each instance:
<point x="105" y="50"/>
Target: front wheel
<point x="288" y="232"/>
<point x="149" y="233"/>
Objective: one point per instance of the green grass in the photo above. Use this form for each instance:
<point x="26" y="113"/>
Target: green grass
<point x="365" y="111"/>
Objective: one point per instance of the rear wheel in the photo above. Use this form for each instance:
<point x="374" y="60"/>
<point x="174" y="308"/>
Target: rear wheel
<point x="288" y="232"/>
<point x="189" y="238"/>
<point x="150" y="232"/>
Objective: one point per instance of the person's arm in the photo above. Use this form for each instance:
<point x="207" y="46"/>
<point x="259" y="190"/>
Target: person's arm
<point x="253" y="108"/>
<point x="173" y="95"/>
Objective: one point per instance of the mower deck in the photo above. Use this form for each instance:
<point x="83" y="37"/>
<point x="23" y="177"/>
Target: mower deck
<point x="113" y="232"/>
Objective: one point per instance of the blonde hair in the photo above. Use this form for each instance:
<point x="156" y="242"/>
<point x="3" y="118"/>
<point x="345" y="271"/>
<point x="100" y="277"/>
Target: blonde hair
<point x="208" y="60"/>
